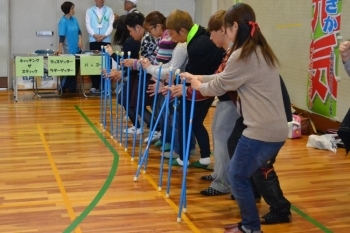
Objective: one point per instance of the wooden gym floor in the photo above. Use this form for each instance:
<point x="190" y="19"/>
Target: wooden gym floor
<point x="60" y="173"/>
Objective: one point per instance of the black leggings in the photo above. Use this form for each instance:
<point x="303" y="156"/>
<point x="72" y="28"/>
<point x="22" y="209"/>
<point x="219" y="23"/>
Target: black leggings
<point x="200" y="132"/>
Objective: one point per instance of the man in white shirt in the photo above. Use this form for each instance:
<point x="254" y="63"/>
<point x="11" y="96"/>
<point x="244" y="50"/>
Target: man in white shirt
<point x="99" y="25"/>
<point x="130" y="6"/>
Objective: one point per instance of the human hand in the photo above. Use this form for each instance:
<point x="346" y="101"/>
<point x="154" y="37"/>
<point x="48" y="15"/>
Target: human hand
<point x="115" y="75"/>
<point x="196" y="84"/>
<point x="152" y="88"/>
<point x="344" y="49"/>
<point x="96" y="36"/>
<point x="175" y="90"/>
<point x="145" y="63"/>
<point x="127" y="62"/>
<point x="165" y="89"/>
<point x="187" y="76"/>
<point x="104" y="73"/>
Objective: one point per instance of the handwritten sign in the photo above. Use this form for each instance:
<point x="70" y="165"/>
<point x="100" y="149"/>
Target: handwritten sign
<point x="29" y="66"/>
<point x="90" y="65"/>
<point x="61" y="65"/>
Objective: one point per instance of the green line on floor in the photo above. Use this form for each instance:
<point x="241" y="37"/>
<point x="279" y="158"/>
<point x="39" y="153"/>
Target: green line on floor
<point x="311" y="220"/>
<point x="107" y="183"/>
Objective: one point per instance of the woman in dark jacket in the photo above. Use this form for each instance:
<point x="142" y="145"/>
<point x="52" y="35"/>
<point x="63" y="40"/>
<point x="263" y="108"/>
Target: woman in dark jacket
<point x="127" y="44"/>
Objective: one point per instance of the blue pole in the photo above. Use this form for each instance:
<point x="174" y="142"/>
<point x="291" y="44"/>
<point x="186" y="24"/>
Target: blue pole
<point x="137" y="113"/>
<point x="185" y="160"/>
<point x="154" y="111"/>
<point x="116" y="102"/>
<point x="101" y="86"/>
<point x="155" y="101"/>
<point x="145" y="155"/>
<point x="122" y="101"/>
<point x="143" y="89"/>
<point x="105" y="91"/>
<point x="110" y="95"/>
<point x="127" y="104"/>
<point x="166" y="102"/>
<point x="173" y="135"/>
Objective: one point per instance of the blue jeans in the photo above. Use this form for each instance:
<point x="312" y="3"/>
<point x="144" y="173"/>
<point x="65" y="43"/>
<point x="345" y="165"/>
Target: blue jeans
<point x="249" y="156"/>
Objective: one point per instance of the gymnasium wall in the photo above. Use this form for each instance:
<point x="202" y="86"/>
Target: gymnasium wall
<point x="288" y="31"/>
<point x="4" y="39"/>
<point x="27" y="17"/>
<point x="287" y="27"/>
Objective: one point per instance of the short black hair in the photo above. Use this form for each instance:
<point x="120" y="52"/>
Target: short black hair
<point x="133" y="19"/>
<point x="66" y="6"/>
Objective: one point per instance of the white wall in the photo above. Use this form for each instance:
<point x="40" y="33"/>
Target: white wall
<point x="4" y="38"/>
<point x="27" y="17"/>
<point x="288" y="31"/>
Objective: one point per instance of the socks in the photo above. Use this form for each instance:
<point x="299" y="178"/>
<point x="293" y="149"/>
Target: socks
<point x="204" y="161"/>
<point x="180" y="162"/>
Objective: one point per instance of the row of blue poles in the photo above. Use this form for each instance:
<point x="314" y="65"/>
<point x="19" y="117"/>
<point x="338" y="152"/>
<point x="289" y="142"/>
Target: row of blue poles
<point x="106" y="98"/>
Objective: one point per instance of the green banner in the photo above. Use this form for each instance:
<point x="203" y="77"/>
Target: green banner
<point x="29" y="66"/>
<point x="61" y="65"/>
<point x="90" y="65"/>
<point x="322" y="90"/>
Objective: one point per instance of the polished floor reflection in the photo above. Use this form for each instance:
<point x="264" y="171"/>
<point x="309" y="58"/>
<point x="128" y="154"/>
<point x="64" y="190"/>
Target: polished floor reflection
<point x="57" y="170"/>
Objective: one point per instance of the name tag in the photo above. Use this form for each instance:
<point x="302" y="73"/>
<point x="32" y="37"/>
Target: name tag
<point x="99" y="25"/>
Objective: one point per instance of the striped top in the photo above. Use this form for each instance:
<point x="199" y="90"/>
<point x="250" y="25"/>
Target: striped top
<point x="165" y="48"/>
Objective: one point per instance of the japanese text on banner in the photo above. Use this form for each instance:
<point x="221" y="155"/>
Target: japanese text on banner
<point x="322" y="80"/>
<point x="61" y="65"/>
<point x="29" y="66"/>
<point x="90" y="65"/>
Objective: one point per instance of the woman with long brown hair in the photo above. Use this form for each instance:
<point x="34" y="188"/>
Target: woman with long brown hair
<point x="252" y="71"/>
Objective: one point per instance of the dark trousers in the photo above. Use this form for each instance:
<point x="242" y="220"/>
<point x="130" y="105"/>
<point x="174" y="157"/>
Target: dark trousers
<point x="200" y="132"/>
<point x="265" y="180"/>
<point x="132" y="110"/>
<point x="96" y="79"/>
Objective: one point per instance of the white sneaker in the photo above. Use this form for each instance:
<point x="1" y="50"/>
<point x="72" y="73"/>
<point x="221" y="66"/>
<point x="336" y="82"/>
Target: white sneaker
<point x="156" y="137"/>
<point x="132" y="130"/>
<point x="167" y="155"/>
<point x="93" y="90"/>
<point x="176" y="155"/>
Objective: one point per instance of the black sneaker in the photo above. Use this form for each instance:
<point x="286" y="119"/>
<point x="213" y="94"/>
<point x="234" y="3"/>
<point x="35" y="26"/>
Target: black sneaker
<point x="207" y="178"/>
<point x="211" y="192"/>
<point x="257" y="198"/>
<point x="276" y="217"/>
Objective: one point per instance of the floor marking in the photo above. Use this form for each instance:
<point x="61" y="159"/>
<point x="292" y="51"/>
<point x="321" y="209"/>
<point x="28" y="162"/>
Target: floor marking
<point x="107" y="183"/>
<point x="169" y="201"/>
<point x="58" y="178"/>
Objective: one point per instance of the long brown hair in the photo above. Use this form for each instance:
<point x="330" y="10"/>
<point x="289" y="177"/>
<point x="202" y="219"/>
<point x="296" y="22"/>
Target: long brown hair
<point x="247" y="38"/>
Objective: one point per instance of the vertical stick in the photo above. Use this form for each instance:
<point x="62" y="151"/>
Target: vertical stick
<point x="166" y="102"/>
<point x="122" y="101"/>
<point x="127" y="105"/>
<point x="173" y="134"/>
<point x="137" y="113"/>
